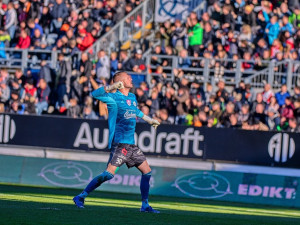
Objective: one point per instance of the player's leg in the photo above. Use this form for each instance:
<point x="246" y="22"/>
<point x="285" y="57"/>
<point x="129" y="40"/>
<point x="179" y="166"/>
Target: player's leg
<point x="145" y="187"/>
<point x="95" y="183"/>
<point x="113" y="164"/>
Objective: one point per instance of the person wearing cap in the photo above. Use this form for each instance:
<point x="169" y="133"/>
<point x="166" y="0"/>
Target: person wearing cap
<point x="85" y="40"/>
<point x="11" y="19"/>
<point x="137" y="64"/>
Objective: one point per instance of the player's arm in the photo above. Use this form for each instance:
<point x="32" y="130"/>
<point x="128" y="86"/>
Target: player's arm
<point x="102" y="95"/>
<point x="149" y="120"/>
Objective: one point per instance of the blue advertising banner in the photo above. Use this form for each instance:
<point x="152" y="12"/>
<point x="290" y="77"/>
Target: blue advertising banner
<point x="176" y="182"/>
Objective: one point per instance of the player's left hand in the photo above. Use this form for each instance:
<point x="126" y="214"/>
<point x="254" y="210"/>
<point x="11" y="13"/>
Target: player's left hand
<point x="155" y="123"/>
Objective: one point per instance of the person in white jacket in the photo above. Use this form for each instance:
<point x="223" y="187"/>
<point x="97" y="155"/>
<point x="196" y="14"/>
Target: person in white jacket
<point x="11" y="20"/>
<point x="103" y="65"/>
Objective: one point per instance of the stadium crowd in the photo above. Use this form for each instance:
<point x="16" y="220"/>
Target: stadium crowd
<point x="230" y="29"/>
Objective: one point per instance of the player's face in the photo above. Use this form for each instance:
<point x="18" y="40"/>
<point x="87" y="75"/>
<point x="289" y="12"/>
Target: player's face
<point x="127" y="81"/>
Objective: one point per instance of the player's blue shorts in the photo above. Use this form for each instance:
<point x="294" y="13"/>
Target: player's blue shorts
<point x="126" y="153"/>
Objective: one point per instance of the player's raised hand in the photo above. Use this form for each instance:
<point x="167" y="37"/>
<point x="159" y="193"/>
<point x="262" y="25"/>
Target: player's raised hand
<point x="119" y="85"/>
<point x="114" y="86"/>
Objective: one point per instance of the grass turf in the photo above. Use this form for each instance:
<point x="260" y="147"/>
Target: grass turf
<point x="38" y="205"/>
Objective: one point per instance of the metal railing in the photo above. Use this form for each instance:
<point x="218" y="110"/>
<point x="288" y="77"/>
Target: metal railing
<point x="26" y="58"/>
<point x="205" y="70"/>
<point x="202" y="70"/>
<point x="129" y="28"/>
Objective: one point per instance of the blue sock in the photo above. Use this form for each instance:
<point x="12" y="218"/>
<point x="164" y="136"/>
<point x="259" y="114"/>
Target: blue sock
<point x="144" y="187"/>
<point x="96" y="182"/>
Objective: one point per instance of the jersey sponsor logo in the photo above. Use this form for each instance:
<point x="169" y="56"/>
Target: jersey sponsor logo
<point x="128" y="101"/>
<point x="130" y="114"/>
<point x="281" y="147"/>
<point x="124" y="151"/>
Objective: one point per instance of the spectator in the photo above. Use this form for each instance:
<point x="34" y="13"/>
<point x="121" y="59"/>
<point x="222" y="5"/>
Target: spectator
<point x="259" y="114"/>
<point x="34" y="26"/>
<point x="11" y="19"/>
<point x="272" y="28"/>
<point x="43" y="93"/>
<point x="222" y="94"/>
<point x="85" y="39"/>
<point x="273" y="114"/>
<point x="88" y="113"/>
<point x="124" y="61"/>
<point x="141" y="97"/>
<point x="181" y="108"/>
<point x="178" y="36"/>
<point x="24" y="40"/>
<point x="64" y="76"/>
<point x="267" y="93"/>
<point x="16" y="108"/>
<point x="282" y="95"/>
<point x="163" y="116"/>
<point x="113" y="63"/>
<point x="4" y="93"/>
<point x="136" y="63"/>
<point x="225" y="117"/>
<point x="58" y="12"/>
<point x="207" y="35"/>
<point x="184" y="61"/>
<point x="286" y="25"/>
<point x="195" y="34"/>
<point x="73" y="109"/>
<point x="45" y="73"/>
<point x="103" y="65"/>
<point x="293" y="126"/>
<point x="45" y="19"/>
<point x="287" y="110"/>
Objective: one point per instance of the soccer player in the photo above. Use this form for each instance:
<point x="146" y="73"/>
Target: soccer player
<point x="122" y="113"/>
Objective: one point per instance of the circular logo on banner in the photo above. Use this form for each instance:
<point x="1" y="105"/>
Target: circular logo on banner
<point x="281" y="147"/>
<point x="203" y="185"/>
<point x="7" y="128"/>
<point x="172" y="8"/>
<point x="66" y="174"/>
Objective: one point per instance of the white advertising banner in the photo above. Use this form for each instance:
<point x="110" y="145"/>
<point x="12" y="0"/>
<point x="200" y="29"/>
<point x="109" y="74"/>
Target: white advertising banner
<point x="174" y="9"/>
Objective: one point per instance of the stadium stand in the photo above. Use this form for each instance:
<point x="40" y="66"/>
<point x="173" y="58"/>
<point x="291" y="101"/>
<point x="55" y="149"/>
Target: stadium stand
<point x="235" y="65"/>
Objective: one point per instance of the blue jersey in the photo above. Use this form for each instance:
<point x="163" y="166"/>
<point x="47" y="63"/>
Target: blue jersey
<point x="122" y="113"/>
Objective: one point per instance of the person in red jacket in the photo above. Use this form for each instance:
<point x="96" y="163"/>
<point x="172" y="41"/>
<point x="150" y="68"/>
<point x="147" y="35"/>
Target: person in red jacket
<point x="24" y="40"/>
<point x="84" y="40"/>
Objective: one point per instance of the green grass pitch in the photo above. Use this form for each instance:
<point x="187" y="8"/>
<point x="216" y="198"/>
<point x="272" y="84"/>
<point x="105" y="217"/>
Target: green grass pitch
<point x="38" y="205"/>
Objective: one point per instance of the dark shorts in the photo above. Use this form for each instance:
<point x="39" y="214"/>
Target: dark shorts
<point x="125" y="153"/>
